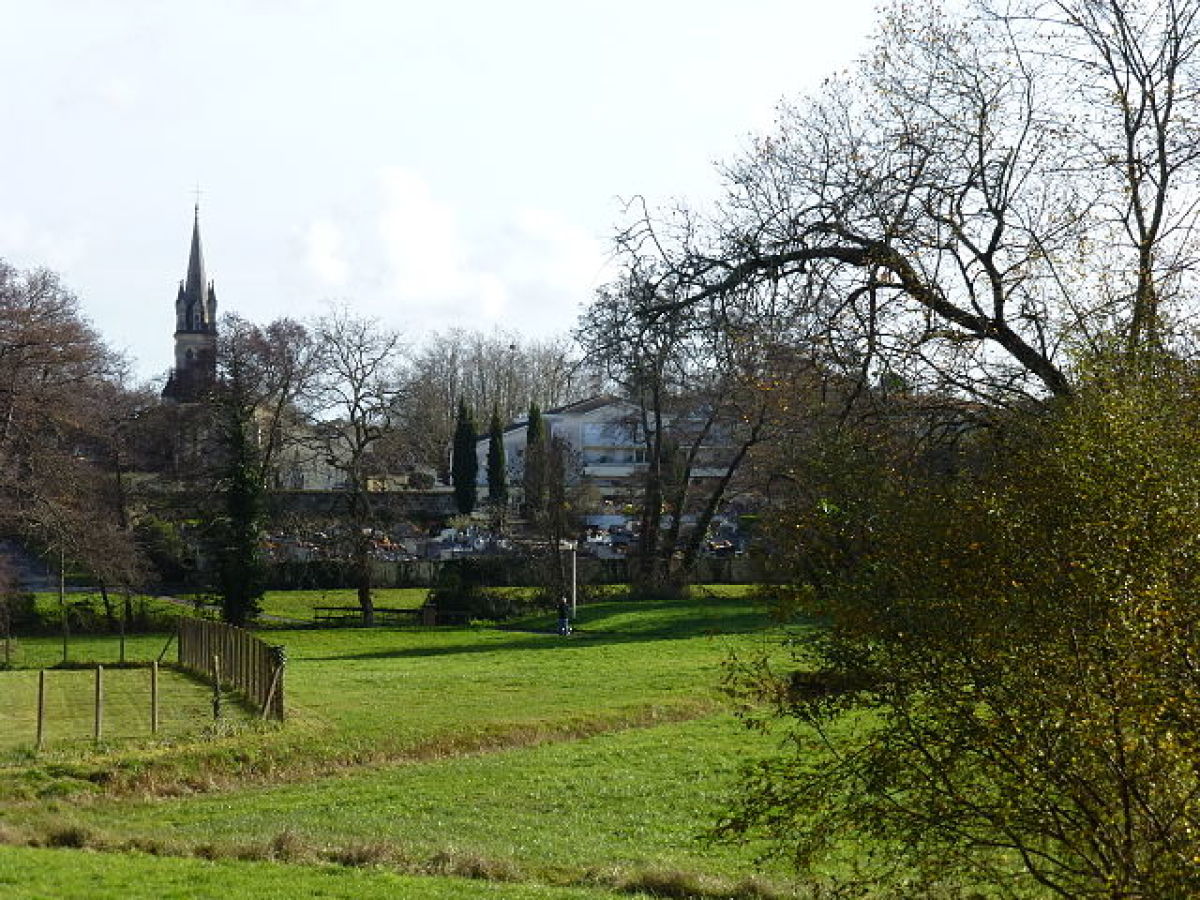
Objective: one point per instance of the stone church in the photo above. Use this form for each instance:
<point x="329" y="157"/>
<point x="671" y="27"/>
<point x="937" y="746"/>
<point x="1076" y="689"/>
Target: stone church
<point x="195" y="330"/>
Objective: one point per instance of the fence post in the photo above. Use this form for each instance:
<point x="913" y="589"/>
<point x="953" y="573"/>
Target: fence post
<point x="41" y="708"/>
<point x="99" y="730"/>
<point x="154" y="697"/>
<point x="62" y="599"/>
<point x="216" y="668"/>
<point x="268" y="704"/>
<point x="279" y="663"/>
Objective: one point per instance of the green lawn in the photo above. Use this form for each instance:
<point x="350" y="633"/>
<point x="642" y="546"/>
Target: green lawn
<point x="597" y="759"/>
<point x="91" y="605"/>
<point x="299" y="604"/>
<point x="406" y="692"/>
<point x="634" y="800"/>
<point x="43" y="652"/>
<point x="422" y="682"/>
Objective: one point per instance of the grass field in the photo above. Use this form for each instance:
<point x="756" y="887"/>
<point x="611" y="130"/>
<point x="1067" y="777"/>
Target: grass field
<point x="43" y="652"/>
<point x="293" y="605"/>
<point x="299" y="605"/>
<point x="49" y="608"/>
<point x="71" y="875"/>
<point x="514" y="756"/>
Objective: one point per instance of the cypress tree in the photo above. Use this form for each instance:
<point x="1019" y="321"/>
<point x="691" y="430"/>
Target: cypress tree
<point x="241" y="571"/>
<point x="240" y="568"/>
<point x="497" y="475"/>
<point x="464" y="464"/>
<point x="535" y="462"/>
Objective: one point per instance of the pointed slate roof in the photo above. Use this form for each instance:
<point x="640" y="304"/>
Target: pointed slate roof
<point x="194" y="286"/>
<point x="196" y="305"/>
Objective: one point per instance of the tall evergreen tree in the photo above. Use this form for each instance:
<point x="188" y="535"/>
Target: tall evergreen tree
<point x="241" y="570"/>
<point x="497" y="474"/>
<point x="464" y="464"/>
<point x="535" y="463"/>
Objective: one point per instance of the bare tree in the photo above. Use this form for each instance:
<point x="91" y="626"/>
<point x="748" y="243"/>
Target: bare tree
<point x="59" y="392"/>
<point x="356" y="402"/>
<point x="265" y="374"/>
<point x="985" y="194"/>
<point x="1134" y="68"/>
<point x="500" y="370"/>
<point x="278" y="365"/>
<point x="699" y="411"/>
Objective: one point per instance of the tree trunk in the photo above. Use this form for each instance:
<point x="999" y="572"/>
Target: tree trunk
<point x="362" y="576"/>
<point x="692" y="550"/>
<point x="109" y="615"/>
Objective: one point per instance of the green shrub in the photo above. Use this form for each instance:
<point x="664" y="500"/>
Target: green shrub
<point x="18" y="612"/>
<point x="1009" y="670"/>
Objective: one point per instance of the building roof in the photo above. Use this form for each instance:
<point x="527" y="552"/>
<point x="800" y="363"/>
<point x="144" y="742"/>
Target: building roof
<point x="575" y="408"/>
<point x="582" y="407"/>
<point x="194" y="287"/>
<point x="195" y="292"/>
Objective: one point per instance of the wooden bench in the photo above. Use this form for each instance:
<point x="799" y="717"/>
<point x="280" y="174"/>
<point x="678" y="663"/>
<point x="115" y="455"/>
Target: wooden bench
<point x="351" y="615"/>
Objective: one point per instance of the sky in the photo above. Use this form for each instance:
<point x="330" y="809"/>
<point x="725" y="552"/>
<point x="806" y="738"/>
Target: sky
<point x="433" y="165"/>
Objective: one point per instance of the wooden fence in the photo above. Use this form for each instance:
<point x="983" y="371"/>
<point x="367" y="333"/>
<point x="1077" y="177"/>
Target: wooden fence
<point x="232" y="657"/>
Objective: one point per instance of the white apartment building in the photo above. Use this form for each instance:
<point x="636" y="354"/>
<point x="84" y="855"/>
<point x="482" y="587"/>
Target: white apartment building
<point x="606" y="439"/>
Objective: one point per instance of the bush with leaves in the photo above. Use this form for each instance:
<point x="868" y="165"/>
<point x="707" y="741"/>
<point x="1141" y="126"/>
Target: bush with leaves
<point x="18" y="612"/>
<point x="463" y="590"/>
<point x="1007" y="689"/>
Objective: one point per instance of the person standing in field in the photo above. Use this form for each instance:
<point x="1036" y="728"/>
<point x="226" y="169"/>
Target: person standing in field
<point x="564" y="617"/>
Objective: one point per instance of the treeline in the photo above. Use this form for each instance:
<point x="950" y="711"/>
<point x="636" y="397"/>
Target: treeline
<point x="106" y="481"/>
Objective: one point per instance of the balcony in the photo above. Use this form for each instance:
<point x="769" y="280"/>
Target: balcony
<point x="612" y="470"/>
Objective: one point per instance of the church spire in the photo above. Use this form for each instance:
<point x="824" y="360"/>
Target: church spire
<point x="196" y="305"/>
<point x="195" y="274"/>
<point x="195" y="328"/>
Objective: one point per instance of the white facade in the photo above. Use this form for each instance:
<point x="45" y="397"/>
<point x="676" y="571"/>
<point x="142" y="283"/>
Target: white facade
<point x="606" y="440"/>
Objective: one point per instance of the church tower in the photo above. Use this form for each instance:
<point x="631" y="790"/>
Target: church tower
<point x="195" y="330"/>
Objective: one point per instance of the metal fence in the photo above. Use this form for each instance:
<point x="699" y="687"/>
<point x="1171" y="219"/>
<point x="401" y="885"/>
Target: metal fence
<point x="234" y="658"/>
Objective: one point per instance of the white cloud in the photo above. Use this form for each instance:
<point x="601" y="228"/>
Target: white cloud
<point x="116" y="92"/>
<point x="567" y="257"/>
<point x="324" y="254"/>
<point x="420" y="238"/>
<point x="27" y="245"/>
<point x="527" y="268"/>
<point x="493" y="297"/>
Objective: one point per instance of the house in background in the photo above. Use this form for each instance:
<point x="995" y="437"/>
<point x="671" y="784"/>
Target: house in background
<point x="608" y="448"/>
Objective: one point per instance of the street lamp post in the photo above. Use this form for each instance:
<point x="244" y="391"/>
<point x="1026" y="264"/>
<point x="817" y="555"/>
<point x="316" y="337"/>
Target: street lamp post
<point x="573" y="547"/>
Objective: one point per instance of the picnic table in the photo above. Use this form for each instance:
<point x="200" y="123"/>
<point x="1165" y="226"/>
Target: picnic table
<point x="347" y="615"/>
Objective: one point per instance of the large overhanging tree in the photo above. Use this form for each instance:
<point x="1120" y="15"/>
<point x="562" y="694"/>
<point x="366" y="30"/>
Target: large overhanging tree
<point x="983" y="196"/>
